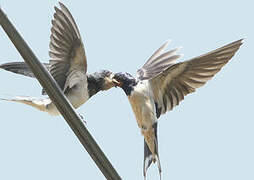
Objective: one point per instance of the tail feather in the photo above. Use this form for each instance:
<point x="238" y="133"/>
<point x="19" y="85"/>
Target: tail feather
<point x="149" y="157"/>
<point x="20" y="68"/>
<point x="37" y="103"/>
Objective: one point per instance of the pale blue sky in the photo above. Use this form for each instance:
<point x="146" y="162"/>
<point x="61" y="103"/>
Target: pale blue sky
<point x="208" y="136"/>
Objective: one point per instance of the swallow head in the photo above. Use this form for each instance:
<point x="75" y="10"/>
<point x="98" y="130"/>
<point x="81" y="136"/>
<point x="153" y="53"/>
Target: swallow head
<point x="126" y="81"/>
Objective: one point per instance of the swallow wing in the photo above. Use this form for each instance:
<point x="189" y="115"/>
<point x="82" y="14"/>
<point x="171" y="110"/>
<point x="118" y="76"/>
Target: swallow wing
<point x="158" y="62"/>
<point x="67" y="53"/>
<point x="178" y="80"/>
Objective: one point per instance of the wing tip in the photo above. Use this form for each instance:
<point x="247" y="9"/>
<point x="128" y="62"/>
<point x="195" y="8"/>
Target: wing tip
<point x="63" y="7"/>
<point x="56" y="9"/>
<point x="238" y="42"/>
<point x="242" y="40"/>
<point x="60" y="3"/>
<point x="167" y="42"/>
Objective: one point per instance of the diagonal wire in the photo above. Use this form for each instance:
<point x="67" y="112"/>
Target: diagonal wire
<point x="61" y="102"/>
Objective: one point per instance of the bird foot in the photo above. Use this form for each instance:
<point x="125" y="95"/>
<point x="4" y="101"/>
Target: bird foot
<point x="82" y="119"/>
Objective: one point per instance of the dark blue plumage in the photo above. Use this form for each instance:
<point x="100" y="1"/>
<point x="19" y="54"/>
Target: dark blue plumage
<point x="127" y="80"/>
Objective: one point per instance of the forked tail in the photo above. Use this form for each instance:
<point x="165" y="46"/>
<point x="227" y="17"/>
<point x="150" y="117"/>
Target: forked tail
<point x="37" y="103"/>
<point x="149" y="157"/>
<point x="20" y="68"/>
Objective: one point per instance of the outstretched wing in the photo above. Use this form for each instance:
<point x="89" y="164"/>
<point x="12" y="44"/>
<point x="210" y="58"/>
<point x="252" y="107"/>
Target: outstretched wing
<point x="178" y="80"/>
<point x="158" y="62"/>
<point x="66" y="48"/>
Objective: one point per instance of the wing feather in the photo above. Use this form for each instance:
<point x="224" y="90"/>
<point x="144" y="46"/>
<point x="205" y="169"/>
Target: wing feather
<point x="66" y="48"/>
<point x="170" y="86"/>
<point x="158" y="62"/>
<point x="157" y="53"/>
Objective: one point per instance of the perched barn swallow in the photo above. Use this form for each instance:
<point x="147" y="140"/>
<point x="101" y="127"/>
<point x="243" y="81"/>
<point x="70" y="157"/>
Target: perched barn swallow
<point x="67" y="65"/>
<point x="162" y="83"/>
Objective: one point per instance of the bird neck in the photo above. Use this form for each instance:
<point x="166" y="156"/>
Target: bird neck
<point x="128" y="86"/>
<point x="95" y="83"/>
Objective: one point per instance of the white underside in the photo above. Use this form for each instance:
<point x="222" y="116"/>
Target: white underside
<point x="142" y="103"/>
<point x="77" y="96"/>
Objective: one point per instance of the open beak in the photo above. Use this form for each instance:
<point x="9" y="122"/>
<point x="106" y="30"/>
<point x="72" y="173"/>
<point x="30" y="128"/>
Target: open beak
<point x="116" y="83"/>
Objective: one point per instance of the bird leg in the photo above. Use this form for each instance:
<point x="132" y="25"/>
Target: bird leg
<point x="82" y="119"/>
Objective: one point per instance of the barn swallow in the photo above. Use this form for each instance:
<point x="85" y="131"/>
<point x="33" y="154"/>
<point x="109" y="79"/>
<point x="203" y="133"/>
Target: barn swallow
<point x="67" y="65"/>
<point x="162" y="83"/>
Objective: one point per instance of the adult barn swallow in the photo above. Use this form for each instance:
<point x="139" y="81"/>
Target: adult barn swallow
<point x="162" y="83"/>
<point x="67" y="65"/>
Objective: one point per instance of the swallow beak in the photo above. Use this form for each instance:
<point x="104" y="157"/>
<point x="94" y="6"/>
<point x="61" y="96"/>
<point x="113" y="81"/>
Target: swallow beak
<point x="110" y="82"/>
<point x="116" y="83"/>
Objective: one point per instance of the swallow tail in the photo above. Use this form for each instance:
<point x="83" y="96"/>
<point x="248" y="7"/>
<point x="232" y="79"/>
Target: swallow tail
<point x="20" y="68"/>
<point x="38" y="103"/>
<point x="23" y="69"/>
<point x="149" y="157"/>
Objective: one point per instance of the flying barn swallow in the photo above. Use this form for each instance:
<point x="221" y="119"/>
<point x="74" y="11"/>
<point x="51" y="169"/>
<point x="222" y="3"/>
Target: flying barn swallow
<point x="162" y="83"/>
<point x="67" y="65"/>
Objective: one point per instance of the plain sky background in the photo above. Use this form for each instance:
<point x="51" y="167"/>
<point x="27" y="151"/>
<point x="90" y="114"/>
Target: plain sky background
<point x="208" y="136"/>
